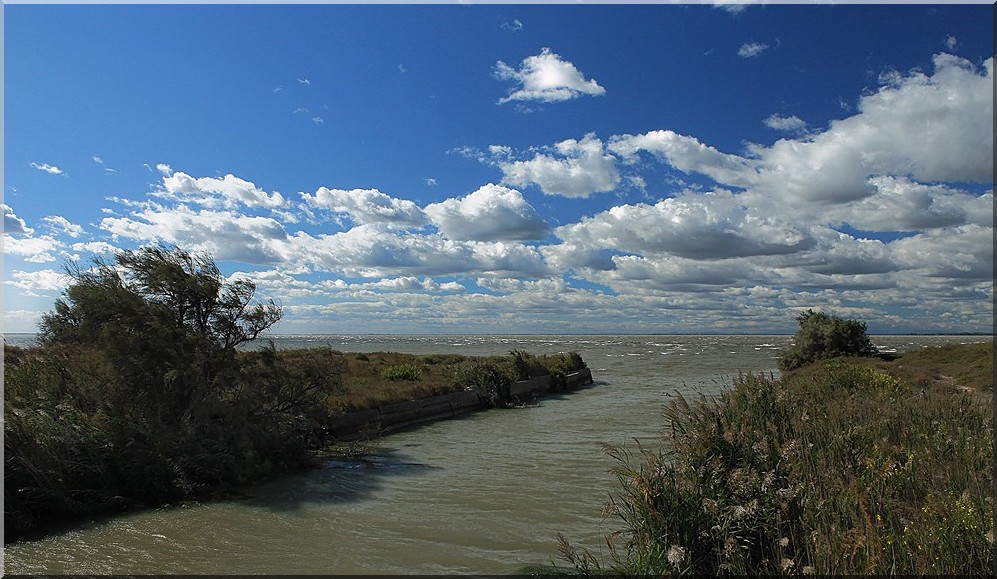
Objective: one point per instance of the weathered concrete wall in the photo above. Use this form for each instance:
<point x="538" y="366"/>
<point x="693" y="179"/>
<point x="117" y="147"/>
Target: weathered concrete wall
<point x="354" y="425"/>
<point x="526" y="390"/>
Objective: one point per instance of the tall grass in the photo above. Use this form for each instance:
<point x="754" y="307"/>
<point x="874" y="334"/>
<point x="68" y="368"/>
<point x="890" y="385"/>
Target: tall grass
<point x="838" y="468"/>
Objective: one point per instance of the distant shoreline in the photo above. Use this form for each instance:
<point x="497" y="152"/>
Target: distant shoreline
<point x="500" y="335"/>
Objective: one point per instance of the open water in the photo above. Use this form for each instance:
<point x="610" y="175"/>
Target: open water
<point x="482" y="494"/>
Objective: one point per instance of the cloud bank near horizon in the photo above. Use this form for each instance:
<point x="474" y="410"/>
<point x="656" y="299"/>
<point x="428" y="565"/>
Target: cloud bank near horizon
<point x="882" y="205"/>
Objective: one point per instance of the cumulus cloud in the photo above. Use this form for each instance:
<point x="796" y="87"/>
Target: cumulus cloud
<point x="694" y="226"/>
<point x="227" y="235"/>
<point x="41" y="249"/>
<point x="900" y="204"/>
<point x="492" y="213"/>
<point x="228" y="192"/>
<point x="41" y="280"/>
<point x="367" y="206"/>
<point x="546" y="77"/>
<point x="579" y="169"/>
<point x="956" y="254"/>
<point x="790" y="124"/>
<point x="60" y="224"/>
<point x="930" y="128"/>
<point x="12" y="224"/>
<point x="686" y="154"/>
<point x="47" y="168"/>
<point x="373" y="251"/>
<point x="98" y="247"/>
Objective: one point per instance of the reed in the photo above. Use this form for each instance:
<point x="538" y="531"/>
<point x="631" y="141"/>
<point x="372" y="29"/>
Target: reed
<point x="837" y="468"/>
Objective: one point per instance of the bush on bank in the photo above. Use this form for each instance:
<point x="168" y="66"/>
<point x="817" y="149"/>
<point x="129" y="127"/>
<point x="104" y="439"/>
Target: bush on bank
<point x="823" y="336"/>
<point x="837" y="468"/>
<point x="137" y="395"/>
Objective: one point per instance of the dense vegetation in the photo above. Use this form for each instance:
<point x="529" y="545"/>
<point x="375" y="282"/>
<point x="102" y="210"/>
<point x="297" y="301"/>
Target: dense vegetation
<point x="136" y="397"/>
<point x="823" y="336"/>
<point x="139" y="395"/>
<point x="844" y="466"/>
<point x="376" y="379"/>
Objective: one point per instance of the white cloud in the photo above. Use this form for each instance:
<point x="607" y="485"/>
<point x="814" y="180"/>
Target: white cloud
<point x="694" y="226"/>
<point x="97" y="160"/>
<point x="732" y="6"/>
<point x="227" y="192"/>
<point x="227" y="235"/>
<point x="60" y="224"/>
<point x="791" y="124"/>
<point x="514" y="26"/>
<point x="318" y="120"/>
<point x="368" y="206"/>
<point x="546" y="77"/>
<point x="751" y="49"/>
<point x="14" y="225"/>
<point x="32" y="249"/>
<point x="373" y="251"/>
<point x="41" y="280"/>
<point x="951" y="42"/>
<point x="953" y="255"/>
<point x="936" y="128"/>
<point x="582" y="168"/>
<point x="686" y="154"/>
<point x="98" y="247"/>
<point x="164" y="169"/>
<point x="900" y="204"/>
<point x="492" y="213"/>
<point x="47" y="168"/>
<point x="304" y="81"/>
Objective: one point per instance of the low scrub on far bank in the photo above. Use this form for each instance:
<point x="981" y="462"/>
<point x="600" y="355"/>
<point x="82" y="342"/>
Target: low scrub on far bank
<point x="845" y="466"/>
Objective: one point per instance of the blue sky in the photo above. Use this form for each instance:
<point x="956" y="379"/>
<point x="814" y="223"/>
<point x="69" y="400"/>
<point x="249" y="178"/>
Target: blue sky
<point x="515" y="168"/>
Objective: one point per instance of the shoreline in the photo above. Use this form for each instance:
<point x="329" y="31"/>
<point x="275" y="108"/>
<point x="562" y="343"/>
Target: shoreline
<point x="388" y="418"/>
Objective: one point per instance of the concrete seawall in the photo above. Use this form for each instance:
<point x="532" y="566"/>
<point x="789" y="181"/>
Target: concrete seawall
<point x="384" y="419"/>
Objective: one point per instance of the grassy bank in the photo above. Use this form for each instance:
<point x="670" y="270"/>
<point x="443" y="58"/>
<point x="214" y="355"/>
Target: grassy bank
<point x="83" y="438"/>
<point x="845" y="466"/>
<point x="376" y="379"/>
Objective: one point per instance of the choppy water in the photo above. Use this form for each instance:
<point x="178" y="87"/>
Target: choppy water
<point x="486" y="493"/>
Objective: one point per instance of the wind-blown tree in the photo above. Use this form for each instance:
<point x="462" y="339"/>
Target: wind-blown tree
<point x="137" y="395"/>
<point x="824" y="336"/>
<point x="166" y="320"/>
<point x="154" y="288"/>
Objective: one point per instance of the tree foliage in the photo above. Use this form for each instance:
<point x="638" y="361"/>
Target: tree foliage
<point x="159" y="291"/>
<point x="137" y="394"/>
<point x="824" y="336"/>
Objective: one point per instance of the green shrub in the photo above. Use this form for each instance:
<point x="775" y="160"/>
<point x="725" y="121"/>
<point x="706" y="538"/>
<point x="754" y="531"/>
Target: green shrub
<point x="823" y="336"/>
<point x="485" y="377"/>
<point x="401" y="372"/>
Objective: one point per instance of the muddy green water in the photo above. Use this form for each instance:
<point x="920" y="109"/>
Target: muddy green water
<point x="486" y="493"/>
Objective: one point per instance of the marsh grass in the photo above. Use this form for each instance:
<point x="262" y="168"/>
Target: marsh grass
<point x="837" y="468"/>
<point x="378" y="378"/>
